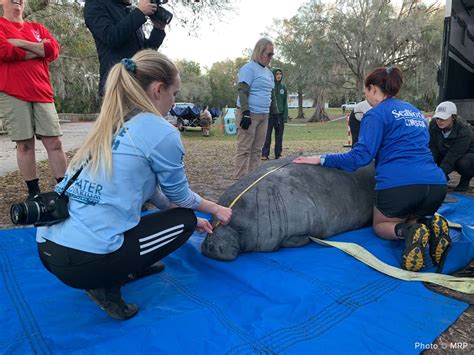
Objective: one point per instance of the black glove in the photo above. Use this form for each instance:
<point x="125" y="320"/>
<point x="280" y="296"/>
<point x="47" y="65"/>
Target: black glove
<point x="246" y="120"/>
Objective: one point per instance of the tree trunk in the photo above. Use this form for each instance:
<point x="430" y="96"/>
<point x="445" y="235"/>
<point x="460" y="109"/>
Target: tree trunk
<point x="319" y="114"/>
<point x="360" y="87"/>
<point x="300" y="104"/>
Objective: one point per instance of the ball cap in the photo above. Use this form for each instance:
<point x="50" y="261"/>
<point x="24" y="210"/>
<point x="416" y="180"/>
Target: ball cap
<point x="360" y="109"/>
<point x="445" y="110"/>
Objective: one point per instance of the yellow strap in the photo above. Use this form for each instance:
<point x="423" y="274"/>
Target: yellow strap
<point x="461" y="284"/>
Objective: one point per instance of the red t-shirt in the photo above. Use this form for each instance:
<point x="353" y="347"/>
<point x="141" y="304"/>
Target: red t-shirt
<point x="27" y="80"/>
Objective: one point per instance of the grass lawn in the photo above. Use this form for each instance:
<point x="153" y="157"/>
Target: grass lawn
<point x="333" y="112"/>
<point x="298" y="137"/>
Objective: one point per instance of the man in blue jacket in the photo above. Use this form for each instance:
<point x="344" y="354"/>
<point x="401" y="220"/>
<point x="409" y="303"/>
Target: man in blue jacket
<point x="117" y="31"/>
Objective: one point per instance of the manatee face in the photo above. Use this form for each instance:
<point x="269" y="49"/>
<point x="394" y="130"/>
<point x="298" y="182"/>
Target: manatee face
<point x="223" y="244"/>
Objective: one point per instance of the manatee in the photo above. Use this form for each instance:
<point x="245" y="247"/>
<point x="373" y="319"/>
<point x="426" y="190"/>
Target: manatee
<point x="290" y="204"/>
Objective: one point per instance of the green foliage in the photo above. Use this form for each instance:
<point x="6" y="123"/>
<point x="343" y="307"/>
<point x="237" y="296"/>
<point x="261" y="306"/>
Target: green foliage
<point x="332" y="47"/>
<point x="194" y="87"/>
<point x="223" y="82"/>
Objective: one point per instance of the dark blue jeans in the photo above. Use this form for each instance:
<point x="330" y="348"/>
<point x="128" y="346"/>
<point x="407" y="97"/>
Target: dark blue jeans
<point x="275" y="122"/>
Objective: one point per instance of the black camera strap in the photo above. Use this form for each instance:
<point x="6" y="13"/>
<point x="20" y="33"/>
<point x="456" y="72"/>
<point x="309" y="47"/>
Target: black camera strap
<point x="71" y="181"/>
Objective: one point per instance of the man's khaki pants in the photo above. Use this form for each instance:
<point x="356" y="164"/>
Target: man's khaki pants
<point x="249" y="143"/>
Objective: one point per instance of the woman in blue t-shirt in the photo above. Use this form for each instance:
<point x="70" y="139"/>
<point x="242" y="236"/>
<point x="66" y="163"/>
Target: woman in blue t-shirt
<point x="254" y="102"/>
<point x="409" y="186"/>
<point x="132" y="155"/>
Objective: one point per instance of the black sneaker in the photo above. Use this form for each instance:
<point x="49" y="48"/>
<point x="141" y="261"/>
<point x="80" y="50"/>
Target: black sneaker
<point x="439" y="238"/>
<point x="111" y="302"/>
<point x="153" y="269"/>
<point x="416" y="239"/>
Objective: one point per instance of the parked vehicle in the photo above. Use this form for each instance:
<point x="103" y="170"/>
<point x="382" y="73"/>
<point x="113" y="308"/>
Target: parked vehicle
<point x="348" y="106"/>
<point x="456" y="74"/>
<point x="187" y="114"/>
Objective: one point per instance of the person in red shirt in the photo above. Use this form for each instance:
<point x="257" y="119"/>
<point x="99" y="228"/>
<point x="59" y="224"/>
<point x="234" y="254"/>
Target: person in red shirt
<point x="26" y="95"/>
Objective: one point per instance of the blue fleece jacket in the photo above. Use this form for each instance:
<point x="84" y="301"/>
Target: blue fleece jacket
<point x="395" y="134"/>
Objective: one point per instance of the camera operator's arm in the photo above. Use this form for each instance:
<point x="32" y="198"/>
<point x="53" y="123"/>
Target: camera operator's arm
<point x="157" y="35"/>
<point x="103" y="26"/>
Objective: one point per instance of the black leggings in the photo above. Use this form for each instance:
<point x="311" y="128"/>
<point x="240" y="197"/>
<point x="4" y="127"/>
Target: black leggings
<point x="156" y="235"/>
<point x="465" y="166"/>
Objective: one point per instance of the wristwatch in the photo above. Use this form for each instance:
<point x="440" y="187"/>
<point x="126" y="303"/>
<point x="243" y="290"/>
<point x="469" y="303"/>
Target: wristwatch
<point x="323" y="158"/>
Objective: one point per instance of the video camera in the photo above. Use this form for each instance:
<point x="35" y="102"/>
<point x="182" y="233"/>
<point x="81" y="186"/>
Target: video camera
<point x="161" y="14"/>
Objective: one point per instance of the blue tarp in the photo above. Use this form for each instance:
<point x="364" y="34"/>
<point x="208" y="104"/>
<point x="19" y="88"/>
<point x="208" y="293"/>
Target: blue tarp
<point x="301" y="300"/>
<point x="188" y="112"/>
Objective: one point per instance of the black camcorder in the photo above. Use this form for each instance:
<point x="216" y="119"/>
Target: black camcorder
<point x="161" y="14"/>
<point x="44" y="209"/>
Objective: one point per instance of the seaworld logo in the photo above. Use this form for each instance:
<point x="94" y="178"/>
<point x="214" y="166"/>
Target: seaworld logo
<point x="412" y="118"/>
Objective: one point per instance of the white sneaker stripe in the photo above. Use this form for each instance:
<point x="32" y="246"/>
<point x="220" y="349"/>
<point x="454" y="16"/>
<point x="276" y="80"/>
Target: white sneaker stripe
<point x="143" y="246"/>
<point x="141" y="240"/>
<point x="156" y="247"/>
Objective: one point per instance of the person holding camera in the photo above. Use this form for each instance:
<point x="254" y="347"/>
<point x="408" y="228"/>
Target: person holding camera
<point x="26" y="94"/>
<point x="452" y="144"/>
<point x="255" y="101"/>
<point x="131" y="155"/>
<point x="117" y="30"/>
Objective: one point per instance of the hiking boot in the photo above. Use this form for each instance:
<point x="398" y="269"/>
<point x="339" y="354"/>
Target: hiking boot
<point x="416" y="239"/>
<point x="439" y="238"/>
<point x="265" y="158"/>
<point x="153" y="269"/>
<point x="111" y="302"/>
<point x="463" y="185"/>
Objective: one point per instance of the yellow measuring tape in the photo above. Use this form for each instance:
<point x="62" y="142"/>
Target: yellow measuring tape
<point x="255" y="183"/>
<point x="252" y="185"/>
<point x="461" y="284"/>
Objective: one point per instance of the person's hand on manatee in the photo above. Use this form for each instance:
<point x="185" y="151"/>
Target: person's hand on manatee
<point x="313" y="160"/>
<point x="203" y="225"/>
<point x="223" y="214"/>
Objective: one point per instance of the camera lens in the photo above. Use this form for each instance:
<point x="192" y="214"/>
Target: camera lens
<point x="28" y="212"/>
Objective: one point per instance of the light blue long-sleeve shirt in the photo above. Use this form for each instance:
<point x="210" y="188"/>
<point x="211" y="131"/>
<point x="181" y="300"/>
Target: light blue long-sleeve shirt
<point x="147" y="153"/>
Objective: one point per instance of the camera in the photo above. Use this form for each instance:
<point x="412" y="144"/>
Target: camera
<point x="44" y="209"/>
<point x="161" y="14"/>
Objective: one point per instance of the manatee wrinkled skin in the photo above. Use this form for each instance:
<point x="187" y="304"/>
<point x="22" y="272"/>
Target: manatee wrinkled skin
<point x="289" y="205"/>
